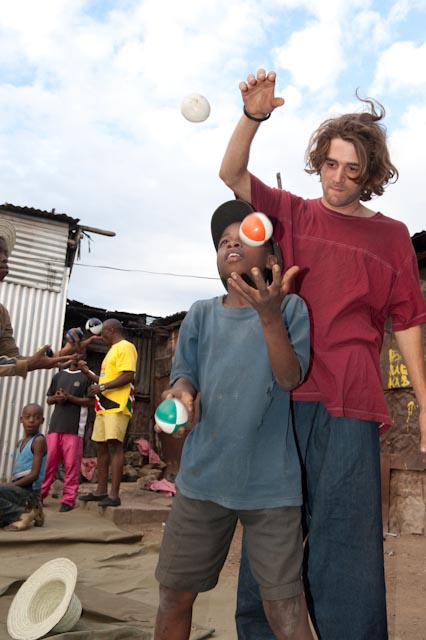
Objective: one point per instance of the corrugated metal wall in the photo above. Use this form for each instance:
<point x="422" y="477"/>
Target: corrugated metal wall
<point x="143" y="377"/>
<point x="35" y="294"/>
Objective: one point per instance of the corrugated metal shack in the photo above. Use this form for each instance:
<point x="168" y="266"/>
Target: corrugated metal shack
<point x="35" y="294"/>
<point x="403" y="466"/>
<point x="155" y="340"/>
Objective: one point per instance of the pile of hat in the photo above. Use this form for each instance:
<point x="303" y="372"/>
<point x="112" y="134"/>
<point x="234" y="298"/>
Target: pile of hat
<point x="45" y="602"/>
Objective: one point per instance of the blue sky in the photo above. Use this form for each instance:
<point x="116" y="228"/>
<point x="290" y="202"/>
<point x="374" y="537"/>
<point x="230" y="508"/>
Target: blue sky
<point x="90" y="121"/>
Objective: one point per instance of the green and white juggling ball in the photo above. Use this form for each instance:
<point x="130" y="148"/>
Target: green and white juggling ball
<point x="171" y="415"/>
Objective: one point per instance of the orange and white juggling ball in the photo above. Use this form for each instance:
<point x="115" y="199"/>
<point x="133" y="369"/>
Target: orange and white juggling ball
<point x="256" y="229"/>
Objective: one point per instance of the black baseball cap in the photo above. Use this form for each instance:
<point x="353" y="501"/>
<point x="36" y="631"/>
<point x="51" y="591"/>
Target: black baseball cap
<point x="235" y="211"/>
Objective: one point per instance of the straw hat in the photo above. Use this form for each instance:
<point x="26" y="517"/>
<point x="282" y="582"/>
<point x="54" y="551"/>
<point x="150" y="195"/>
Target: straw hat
<point x="7" y="231"/>
<point x="45" y="602"/>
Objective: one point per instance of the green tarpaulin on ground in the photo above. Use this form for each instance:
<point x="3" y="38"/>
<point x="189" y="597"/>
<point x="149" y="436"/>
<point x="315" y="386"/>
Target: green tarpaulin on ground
<point x="115" y="584"/>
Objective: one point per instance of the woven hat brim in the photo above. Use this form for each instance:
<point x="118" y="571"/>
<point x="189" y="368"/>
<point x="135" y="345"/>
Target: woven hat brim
<point x="30" y="615"/>
<point x="8" y="233"/>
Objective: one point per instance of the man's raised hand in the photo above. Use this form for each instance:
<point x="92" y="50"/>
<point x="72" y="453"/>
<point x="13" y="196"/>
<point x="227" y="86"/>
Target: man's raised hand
<point x="258" y="94"/>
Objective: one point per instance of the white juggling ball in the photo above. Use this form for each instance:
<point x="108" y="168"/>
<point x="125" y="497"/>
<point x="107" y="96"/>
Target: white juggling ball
<point x="94" y="325"/>
<point x="195" y="108"/>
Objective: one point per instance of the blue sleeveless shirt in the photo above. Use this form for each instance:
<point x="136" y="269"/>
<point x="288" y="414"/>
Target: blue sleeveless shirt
<point x="24" y="463"/>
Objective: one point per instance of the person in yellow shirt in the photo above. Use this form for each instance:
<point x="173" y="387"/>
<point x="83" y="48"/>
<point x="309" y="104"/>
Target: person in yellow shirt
<point x="113" y="391"/>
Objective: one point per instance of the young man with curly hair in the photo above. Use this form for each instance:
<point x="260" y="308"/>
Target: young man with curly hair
<point x="357" y="268"/>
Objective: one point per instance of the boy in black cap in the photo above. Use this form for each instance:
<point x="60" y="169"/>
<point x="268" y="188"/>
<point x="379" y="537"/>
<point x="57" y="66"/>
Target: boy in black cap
<point x="243" y="353"/>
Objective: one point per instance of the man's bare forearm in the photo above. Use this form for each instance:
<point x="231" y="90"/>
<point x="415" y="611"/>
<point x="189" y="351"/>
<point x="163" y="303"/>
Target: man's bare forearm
<point x="234" y="169"/>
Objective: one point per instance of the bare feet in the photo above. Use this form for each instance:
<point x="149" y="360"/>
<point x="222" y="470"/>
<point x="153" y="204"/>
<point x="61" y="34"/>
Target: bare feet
<point x="24" y="522"/>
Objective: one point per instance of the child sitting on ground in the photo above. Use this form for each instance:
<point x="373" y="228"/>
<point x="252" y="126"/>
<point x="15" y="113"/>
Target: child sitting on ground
<point x="20" y="504"/>
<point x="243" y="353"/>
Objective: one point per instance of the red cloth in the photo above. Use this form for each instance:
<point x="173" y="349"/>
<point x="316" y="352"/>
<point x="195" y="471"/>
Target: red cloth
<point x="88" y="466"/>
<point x="145" y="449"/>
<point x="355" y="272"/>
<point x="163" y="486"/>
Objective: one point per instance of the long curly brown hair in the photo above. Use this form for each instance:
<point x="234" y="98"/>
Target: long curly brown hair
<point x="368" y="136"/>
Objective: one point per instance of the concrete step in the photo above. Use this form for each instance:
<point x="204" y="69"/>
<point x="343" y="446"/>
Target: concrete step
<point x="129" y="514"/>
<point x="137" y="506"/>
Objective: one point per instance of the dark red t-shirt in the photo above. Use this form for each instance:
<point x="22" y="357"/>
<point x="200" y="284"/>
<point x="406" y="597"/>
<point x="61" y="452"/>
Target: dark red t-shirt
<point x="355" y="273"/>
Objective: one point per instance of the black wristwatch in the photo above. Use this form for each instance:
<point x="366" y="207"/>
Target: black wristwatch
<point x="102" y="387"/>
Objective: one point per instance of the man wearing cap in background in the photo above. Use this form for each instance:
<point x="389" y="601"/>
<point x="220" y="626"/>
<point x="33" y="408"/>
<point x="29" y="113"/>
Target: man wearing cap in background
<point x="11" y="363"/>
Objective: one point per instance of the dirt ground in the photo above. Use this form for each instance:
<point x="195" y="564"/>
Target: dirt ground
<point x="405" y="570"/>
<point x="405" y="567"/>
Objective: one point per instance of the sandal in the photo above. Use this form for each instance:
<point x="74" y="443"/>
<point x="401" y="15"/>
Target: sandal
<point x="110" y="502"/>
<point x="91" y="497"/>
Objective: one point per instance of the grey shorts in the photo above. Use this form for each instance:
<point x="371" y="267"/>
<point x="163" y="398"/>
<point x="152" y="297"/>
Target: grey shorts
<point x="197" y="537"/>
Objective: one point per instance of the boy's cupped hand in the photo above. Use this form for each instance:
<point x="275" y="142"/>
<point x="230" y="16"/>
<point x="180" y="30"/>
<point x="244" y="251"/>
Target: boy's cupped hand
<point x="266" y="299"/>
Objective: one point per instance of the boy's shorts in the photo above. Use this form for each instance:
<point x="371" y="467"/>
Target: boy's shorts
<point x="110" y="426"/>
<point x="197" y="537"/>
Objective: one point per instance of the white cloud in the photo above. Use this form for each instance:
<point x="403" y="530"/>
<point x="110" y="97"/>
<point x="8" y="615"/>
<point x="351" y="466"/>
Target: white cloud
<point x="309" y="71"/>
<point x="370" y="30"/>
<point x="402" y="67"/>
<point x="404" y="200"/>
